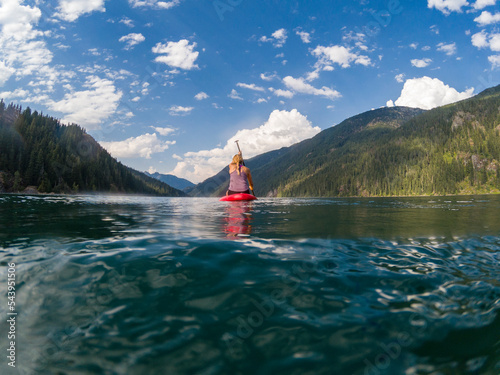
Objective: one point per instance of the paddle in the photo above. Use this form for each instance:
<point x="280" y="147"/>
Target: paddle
<point x="242" y="161"/>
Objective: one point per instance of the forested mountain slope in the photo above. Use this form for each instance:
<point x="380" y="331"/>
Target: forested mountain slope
<point x="454" y="149"/>
<point x="38" y="151"/>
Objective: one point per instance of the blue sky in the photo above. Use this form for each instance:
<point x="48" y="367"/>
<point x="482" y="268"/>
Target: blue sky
<point x="168" y="86"/>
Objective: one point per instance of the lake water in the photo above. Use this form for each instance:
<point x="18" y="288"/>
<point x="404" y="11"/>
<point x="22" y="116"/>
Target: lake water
<point x="140" y="285"/>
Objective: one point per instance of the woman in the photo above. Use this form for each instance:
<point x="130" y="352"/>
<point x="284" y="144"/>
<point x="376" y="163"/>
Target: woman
<point x="240" y="179"/>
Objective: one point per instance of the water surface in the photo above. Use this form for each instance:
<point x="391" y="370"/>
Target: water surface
<point x="141" y="285"/>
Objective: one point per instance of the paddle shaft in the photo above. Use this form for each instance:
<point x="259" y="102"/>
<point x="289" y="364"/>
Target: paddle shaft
<point x="237" y="144"/>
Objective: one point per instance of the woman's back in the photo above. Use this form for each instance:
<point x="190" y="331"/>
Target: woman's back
<point x="238" y="180"/>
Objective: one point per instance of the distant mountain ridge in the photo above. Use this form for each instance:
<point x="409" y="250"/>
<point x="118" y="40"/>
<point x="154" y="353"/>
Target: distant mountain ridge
<point x="40" y="154"/>
<point x="170" y="179"/>
<point x="454" y="149"/>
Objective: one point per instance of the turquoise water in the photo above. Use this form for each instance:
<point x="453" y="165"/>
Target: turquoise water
<point x="139" y="285"/>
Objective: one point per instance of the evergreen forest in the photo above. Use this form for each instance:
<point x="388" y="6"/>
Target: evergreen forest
<point x="396" y="151"/>
<point x="37" y="151"/>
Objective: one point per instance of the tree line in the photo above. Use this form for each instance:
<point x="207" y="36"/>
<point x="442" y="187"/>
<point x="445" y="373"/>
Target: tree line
<point x="37" y="150"/>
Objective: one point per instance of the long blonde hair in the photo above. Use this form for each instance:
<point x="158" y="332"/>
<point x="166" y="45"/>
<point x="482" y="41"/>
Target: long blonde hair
<point x="237" y="159"/>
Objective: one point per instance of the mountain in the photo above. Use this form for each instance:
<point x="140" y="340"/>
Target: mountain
<point x="38" y="152"/>
<point x="170" y="179"/>
<point x="454" y="149"/>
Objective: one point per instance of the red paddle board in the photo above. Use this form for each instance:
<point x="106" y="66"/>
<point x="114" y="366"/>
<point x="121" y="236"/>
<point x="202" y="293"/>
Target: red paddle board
<point x="238" y="197"/>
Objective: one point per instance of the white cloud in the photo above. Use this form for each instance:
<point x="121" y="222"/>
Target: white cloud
<point x="21" y="54"/>
<point x="155" y="4"/>
<point x="177" y="110"/>
<point x="19" y="94"/>
<point x="339" y="55"/>
<point x="278" y="38"/>
<point x="483" y="40"/>
<point x="127" y="22"/>
<point x="449" y="49"/>
<point x="142" y="146"/>
<point x="495" y="42"/>
<point x="201" y="95"/>
<point x="17" y="20"/>
<point x="90" y="107"/>
<point x="235" y="95"/>
<point x="421" y="63"/>
<point x="486" y="18"/>
<point x="495" y="61"/>
<point x="306" y="37"/>
<point x="251" y="87"/>
<point x="400" y="77"/>
<point x="282" y="129"/>
<point x="480" y="40"/>
<point x="283" y="93"/>
<point x="268" y="77"/>
<point x="163" y="131"/>
<point x="299" y="85"/>
<point x="480" y="4"/>
<point x="428" y="93"/>
<point x="447" y="6"/>
<point x="5" y="72"/>
<point x="70" y="10"/>
<point x="132" y="40"/>
<point x="179" y="54"/>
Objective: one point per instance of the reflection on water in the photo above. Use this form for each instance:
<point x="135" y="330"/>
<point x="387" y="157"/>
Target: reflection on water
<point x="141" y="285"/>
<point x="238" y="219"/>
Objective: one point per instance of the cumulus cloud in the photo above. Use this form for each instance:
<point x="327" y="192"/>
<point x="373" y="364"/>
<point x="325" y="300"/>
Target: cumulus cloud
<point x="447" y="6"/>
<point x="283" y="93"/>
<point x="252" y="86"/>
<point x="179" y="54"/>
<point x="300" y="86"/>
<point x="90" y="107"/>
<point x="328" y="56"/>
<point x="5" y="72"/>
<point x="278" y="38"/>
<point x="127" y="22"/>
<point x="423" y="63"/>
<point x="132" y="40"/>
<point x="17" y="20"/>
<point x="201" y="95"/>
<point x="428" y="93"/>
<point x="71" y="10"/>
<point x="22" y="53"/>
<point x="305" y="37"/>
<point x="268" y="77"/>
<point x="283" y="128"/>
<point x="480" y="4"/>
<point x="163" y="131"/>
<point x="155" y="4"/>
<point x="480" y="40"/>
<point x="178" y="110"/>
<point x="235" y="95"/>
<point x="400" y="78"/>
<point x="142" y="146"/>
<point x="494" y="61"/>
<point x="449" y="49"/>
<point x="486" y="18"/>
<point x="485" y="40"/>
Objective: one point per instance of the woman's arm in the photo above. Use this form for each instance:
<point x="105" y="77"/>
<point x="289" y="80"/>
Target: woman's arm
<point x="249" y="177"/>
